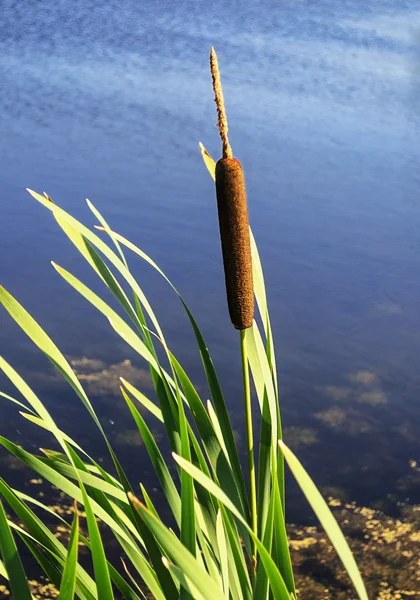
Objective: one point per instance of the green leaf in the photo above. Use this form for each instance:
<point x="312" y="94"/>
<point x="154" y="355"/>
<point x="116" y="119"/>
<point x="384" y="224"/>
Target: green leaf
<point x="44" y="343"/>
<point x="140" y="320"/>
<point x="188" y="526"/>
<point x="50" y="564"/>
<point x="3" y="572"/>
<point x="327" y="520"/>
<point x="88" y="479"/>
<point x="281" y="552"/>
<point x="41" y="423"/>
<point x="143" y="400"/>
<point x="12" y="563"/>
<point x="223" y="553"/>
<point x="208" y="161"/>
<point x="104" y="224"/>
<point x="118" y="324"/>
<point x="262" y="375"/>
<point x="68" y="582"/>
<point x="100" y="566"/>
<point x="261" y="582"/>
<point x="148" y="501"/>
<point x="260" y="295"/>
<point x="11" y="399"/>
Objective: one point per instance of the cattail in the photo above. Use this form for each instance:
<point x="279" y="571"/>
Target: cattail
<point x="233" y="220"/>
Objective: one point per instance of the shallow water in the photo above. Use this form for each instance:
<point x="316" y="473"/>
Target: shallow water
<point x="110" y="100"/>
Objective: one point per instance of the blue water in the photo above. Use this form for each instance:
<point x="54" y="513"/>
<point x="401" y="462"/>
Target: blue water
<point x="109" y="101"/>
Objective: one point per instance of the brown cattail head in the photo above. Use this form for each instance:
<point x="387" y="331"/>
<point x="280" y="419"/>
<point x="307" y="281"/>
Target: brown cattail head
<point x="236" y="246"/>
<point x="233" y="219"/>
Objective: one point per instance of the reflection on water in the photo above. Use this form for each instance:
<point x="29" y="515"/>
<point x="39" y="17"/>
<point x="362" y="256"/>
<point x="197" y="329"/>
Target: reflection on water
<point x="109" y="100"/>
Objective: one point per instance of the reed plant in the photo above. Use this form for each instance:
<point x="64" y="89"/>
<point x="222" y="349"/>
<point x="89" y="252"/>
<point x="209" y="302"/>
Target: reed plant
<point x="229" y="541"/>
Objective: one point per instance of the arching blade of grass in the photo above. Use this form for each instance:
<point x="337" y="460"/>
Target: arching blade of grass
<point x="50" y="565"/>
<point x="113" y="317"/>
<point x="53" y="566"/>
<point x="68" y="582"/>
<point x="327" y="520"/>
<point x="11" y="560"/>
<point x="92" y="481"/>
<point x="168" y="403"/>
<point x="270" y="422"/>
<point x="188" y="521"/>
<point x="262" y="376"/>
<point x="143" y="400"/>
<point x="208" y="554"/>
<point x="11" y="399"/>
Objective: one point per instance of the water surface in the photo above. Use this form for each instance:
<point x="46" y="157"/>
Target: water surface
<point x="109" y="101"/>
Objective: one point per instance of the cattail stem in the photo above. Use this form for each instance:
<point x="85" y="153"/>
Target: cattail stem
<point x="249" y="437"/>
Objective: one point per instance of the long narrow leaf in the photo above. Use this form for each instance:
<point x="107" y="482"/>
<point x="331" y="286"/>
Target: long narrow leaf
<point x="13" y="565"/>
<point x="325" y="516"/>
<point x="68" y="582"/>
